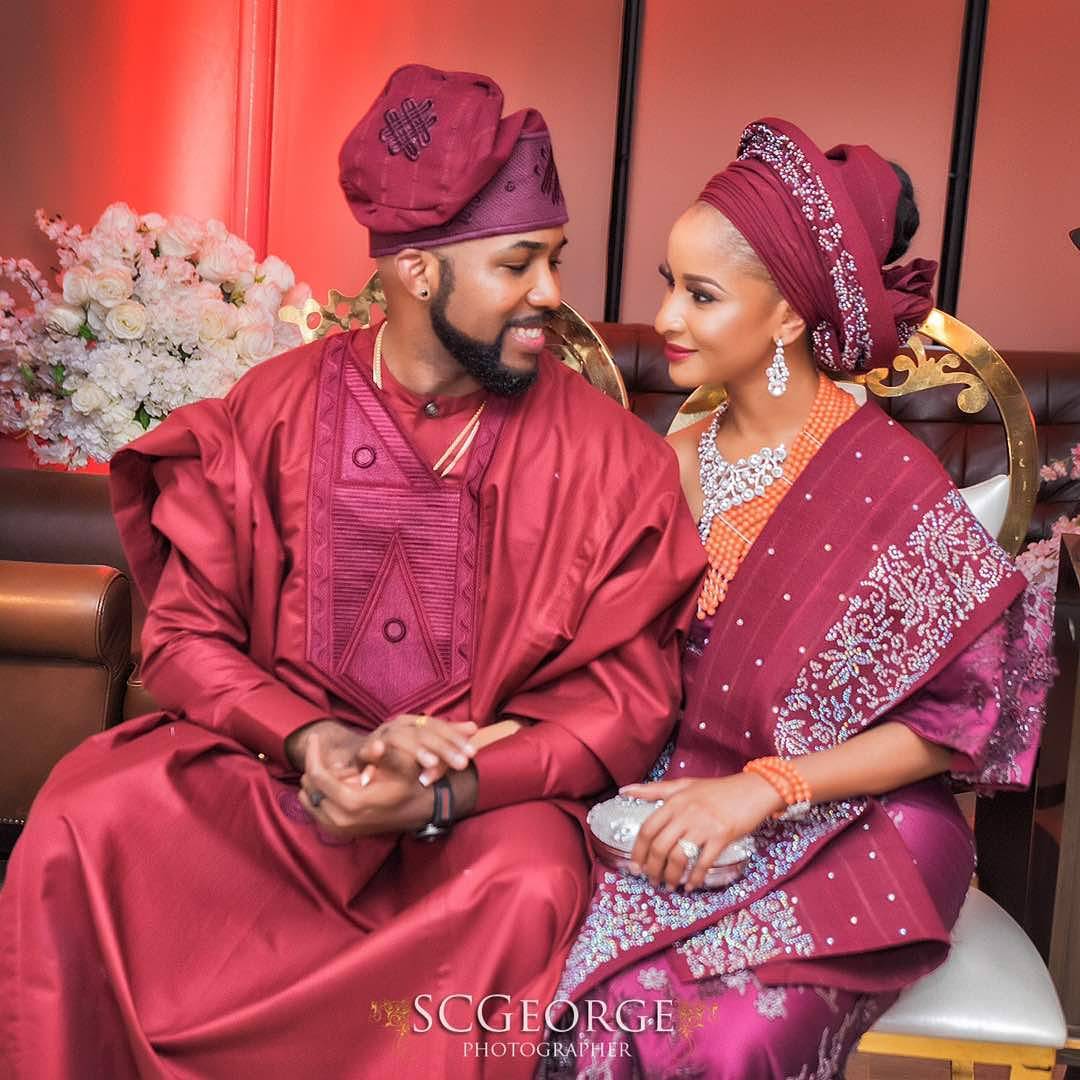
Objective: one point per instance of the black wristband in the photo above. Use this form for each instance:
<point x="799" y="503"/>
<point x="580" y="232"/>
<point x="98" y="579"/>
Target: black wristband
<point x="442" y="814"/>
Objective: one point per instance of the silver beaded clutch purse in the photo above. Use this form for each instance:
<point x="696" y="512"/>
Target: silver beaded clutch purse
<point x="615" y="823"/>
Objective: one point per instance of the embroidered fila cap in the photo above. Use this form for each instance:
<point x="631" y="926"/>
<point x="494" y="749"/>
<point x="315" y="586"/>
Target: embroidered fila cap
<point x="435" y="162"/>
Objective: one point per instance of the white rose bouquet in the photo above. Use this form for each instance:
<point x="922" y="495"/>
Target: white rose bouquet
<point x="151" y="313"/>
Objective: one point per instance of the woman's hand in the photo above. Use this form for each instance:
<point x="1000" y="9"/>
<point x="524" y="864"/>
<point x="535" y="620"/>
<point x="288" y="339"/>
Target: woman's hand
<point x="708" y="812"/>
<point x="435" y="746"/>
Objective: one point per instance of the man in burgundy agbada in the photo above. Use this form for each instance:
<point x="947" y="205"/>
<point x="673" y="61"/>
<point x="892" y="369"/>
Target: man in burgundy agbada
<point x="418" y="577"/>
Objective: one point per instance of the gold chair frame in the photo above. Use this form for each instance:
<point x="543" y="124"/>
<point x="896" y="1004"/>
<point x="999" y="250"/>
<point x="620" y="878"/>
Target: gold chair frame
<point x="570" y="337"/>
<point x="969" y="361"/>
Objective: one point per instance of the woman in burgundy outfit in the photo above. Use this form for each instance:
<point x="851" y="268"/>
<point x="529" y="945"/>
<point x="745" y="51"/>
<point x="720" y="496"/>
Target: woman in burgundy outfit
<point x="860" y="638"/>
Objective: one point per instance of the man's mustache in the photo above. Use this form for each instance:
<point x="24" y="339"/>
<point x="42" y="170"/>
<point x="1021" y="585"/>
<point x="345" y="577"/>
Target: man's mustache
<point x="531" y="322"/>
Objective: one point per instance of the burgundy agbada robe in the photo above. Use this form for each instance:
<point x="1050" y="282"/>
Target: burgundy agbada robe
<point x="170" y="909"/>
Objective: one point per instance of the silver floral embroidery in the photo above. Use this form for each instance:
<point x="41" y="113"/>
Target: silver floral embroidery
<point x="652" y="978"/>
<point x="832" y="1047"/>
<point x="747" y="938"/>
<point x="894" y="629"/>
<point x="628" y="913"/>
<point x="771" y="1003"/>
<point x="739" y="981"/>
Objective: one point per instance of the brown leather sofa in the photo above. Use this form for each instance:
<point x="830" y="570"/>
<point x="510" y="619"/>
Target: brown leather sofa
<point x="65" y="656"/>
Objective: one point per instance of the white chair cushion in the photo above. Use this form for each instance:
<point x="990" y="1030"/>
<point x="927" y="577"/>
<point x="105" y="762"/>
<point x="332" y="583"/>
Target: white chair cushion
<point x="993" y="987"/>
<point x="988" y="501"/>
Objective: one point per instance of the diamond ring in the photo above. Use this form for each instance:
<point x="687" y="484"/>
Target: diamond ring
<point x="692" y="852"/>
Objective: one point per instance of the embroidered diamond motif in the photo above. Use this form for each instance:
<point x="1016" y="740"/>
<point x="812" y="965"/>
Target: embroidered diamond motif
<point x="391" y="656"/>
<point x="408" y="128"/>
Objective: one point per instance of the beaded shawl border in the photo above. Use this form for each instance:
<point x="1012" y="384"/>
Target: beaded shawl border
<point x="894" y="629"/>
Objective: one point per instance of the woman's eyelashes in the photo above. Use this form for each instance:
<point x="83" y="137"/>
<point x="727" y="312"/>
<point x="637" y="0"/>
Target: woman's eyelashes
<point x="696" y="295"/>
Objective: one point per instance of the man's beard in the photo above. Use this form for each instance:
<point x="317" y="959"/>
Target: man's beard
<point x="481" y="360"/>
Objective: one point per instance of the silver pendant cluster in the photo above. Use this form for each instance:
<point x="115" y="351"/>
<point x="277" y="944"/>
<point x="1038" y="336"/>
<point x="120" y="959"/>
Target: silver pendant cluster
<point x="778" y="372"/>
<point x="726" y="484"/>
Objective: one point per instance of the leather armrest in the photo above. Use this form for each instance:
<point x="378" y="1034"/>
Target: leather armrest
<point x="65" y="612"/>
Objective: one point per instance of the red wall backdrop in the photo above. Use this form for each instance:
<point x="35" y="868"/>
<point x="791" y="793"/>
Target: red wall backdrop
<point x="845" y="71"/>
<point x="235" y="109"/>
<point x="116" y="99"/>
<point x="1020" y="281"/>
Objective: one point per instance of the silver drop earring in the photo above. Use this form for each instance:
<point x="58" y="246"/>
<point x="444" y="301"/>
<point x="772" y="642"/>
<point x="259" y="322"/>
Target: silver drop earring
<point x="778" y="372"/>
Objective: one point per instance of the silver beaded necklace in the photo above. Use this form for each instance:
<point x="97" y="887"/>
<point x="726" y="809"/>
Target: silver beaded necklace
<point x="726" y="484"/>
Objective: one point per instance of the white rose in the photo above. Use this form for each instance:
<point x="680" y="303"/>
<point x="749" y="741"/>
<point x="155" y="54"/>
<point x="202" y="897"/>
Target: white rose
<point x="111" y="285"/>
<point x="255" y="342"/>
<point x="153" y="222"/>
<point x="243" y="251"/>
<point x="127" y="320"/>
<point x="276" y="272"/>
<point x="77" y="285"/>
<point x="89" y="398"/>
<point x="215" y="230"/>
<point x="218" y="262"/>
<point x="118" y="218"/>
<point x="179" y="238"/>
<point x="95" y="316"/>
<point x="216" y="320"/>
<point x="286" y="336"/>
<point x="65" y="318"/>
<point x="264" y="300"/>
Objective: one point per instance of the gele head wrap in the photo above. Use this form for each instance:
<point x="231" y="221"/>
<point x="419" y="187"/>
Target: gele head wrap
<point x="822" y="223"/>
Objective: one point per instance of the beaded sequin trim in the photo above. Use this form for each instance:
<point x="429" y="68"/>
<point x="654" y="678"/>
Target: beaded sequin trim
<point x="628" y="913"/>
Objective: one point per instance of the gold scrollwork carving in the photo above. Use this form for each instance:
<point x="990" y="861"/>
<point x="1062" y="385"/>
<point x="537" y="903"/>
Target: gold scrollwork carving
<point x="924" y="372"/>
<point x="315" y="320"/>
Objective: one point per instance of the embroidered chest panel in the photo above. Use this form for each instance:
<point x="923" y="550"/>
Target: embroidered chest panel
<point x="393" y="551"/>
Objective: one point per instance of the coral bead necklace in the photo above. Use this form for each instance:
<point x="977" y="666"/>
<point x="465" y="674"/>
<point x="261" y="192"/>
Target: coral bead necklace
<point x="739" y="497"/>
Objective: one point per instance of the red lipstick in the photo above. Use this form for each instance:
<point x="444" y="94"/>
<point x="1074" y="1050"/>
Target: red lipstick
<point x="675" y="353"/>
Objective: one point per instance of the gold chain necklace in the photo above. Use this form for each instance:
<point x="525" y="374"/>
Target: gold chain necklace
<point x="462" y="441"/>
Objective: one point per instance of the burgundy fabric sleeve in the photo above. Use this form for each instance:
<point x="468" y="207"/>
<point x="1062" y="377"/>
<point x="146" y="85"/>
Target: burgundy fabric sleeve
<point x="987" y="705"/>
<point x="197" y="637"/>
<point x="194" y="664"/>
<point x="537" y="762"/>
<point x="607" y="699"/>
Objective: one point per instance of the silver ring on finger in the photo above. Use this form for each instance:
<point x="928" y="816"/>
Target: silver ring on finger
<point x="692" y="852"/>
<point x="315" y="797"/>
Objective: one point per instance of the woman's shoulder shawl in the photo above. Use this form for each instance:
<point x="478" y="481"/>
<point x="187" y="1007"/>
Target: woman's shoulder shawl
<point x="880" y="580"/>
